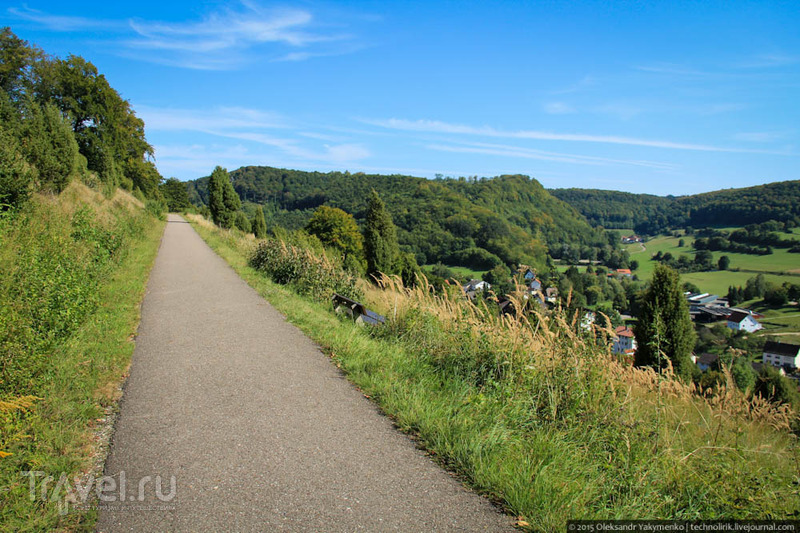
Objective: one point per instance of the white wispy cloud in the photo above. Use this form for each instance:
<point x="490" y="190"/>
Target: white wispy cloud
<point x="434" y="126"/>
<point x="542" y="155"/>
<point x="218" y="118"/>
<point x="64" y="23"/>
<point x="222" y="40"/>
<point x="289" y="139"/>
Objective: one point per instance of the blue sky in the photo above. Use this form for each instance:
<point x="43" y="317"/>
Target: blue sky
<point x="657" y="97"/>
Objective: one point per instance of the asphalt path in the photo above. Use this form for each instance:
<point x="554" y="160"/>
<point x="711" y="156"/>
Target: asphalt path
<point x="258" y="429"/>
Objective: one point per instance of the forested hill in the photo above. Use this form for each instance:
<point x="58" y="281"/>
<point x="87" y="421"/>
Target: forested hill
<point x="650" y="214"/>
<point x="472" y="222"/>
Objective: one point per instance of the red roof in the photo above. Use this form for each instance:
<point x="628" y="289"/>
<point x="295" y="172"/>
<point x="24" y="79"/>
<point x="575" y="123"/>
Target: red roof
<point x="623" y="331"/>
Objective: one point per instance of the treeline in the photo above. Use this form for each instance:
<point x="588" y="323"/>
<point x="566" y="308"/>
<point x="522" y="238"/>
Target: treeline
<point x="755" y="239"/>
<point x="61" y="119"/>
<point x="474" y="223"/>
<point x="651" y="215"/>
<point x="773" y="294"/>
<point x="703" y="261"/>
<point x="623" y="210"/>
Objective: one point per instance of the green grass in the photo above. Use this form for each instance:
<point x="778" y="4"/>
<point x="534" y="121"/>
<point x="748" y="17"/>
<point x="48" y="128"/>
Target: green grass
<point x="776" y="266"/>
<point x="551" y="446"/>
<point x="464" y="272"/>
<point x="76" y="390"/>
<point x="717" y="282"/>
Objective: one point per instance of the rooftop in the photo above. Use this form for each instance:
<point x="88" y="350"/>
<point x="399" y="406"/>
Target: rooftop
<point x="782" y="348"/>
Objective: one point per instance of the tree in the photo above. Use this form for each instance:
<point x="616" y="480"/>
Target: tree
<point x="756" y="287"/>
<point x="17" y="58"/>
<point x="772" y="386"/>
<point x="743" y="374"/>
<point x="500" y="279"/>
<point x="776" y="295"/>
<point x="664" y="326"/>
<point x="337" y="229"/>
<point x="231" y="199"/>
<point x="49" y="145"/>
<point x="408" y="269"/>
<point x="704" y="259"/>
<point x="175" y="193"/>
<point x="15" y="174"/>
<point x="734" y="295"/>
<point x="108" y="132"/>
<point x="724" y="262"/>
<point x="241" y="222"/>
<point x="216" y="200"/>
<point x="222" y="198"/>
<point x="380" y="238"/>
<point x="258" y="224"/>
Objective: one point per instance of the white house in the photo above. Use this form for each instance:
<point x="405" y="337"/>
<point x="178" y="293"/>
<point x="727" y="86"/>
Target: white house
<point x="781" y="354"/>
<point x="739" y="321"/>
<point x="475" y="286"/>
<point x="625" y="341"/>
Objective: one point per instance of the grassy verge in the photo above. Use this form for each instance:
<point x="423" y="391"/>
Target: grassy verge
<point x="77" y="382"/>
<point x="541" y="419"/>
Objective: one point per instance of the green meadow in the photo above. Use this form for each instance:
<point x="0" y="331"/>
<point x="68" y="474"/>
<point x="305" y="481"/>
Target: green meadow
<point x="778" y="267"/>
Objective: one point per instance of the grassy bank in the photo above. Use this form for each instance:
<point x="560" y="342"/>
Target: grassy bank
<point x="542" y="419"/>
<point x="75" y="267"/>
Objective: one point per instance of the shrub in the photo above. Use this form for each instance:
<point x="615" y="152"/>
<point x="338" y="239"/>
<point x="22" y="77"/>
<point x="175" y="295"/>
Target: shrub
<point x="15" y="174"/>
<point x="310" y="274"/>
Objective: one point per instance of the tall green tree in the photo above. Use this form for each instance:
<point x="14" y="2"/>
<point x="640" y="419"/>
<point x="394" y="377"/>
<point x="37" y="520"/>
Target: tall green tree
<point x="233" y="204"/>
<point x="50" y="146"/>
<point x="664" y="328"/>
<point x="380" y="238"/>
<point x="16" y="175"/>
<point x="337" y="229"/>
<point x="175" y="194"/>
<point x="241" y="222"/>
<point x="222" y="198"/>
<point x="259" y="224"/>
<point x="216" y="195"/>
<point x="108" y="132"/>
<point x="17" y="59"/>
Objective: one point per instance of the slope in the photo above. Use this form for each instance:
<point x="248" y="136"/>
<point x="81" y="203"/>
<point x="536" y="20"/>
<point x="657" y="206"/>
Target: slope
<point x="653" y="214"/>
<point x="478" y="223"/>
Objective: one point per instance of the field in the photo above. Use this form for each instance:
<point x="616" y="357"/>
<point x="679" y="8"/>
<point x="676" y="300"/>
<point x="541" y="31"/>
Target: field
<point x="777" y="267"/>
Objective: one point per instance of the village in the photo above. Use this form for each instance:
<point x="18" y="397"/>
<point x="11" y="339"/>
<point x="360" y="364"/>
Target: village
<point x="704" y="309"/>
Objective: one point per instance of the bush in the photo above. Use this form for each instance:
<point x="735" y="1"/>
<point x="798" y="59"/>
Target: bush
<point x="15" y="174"/>
<point x="308" y="273"/>
<point x="241" y="222"/>
<point x="475" y="258"/>
<point x="156" y="208"/>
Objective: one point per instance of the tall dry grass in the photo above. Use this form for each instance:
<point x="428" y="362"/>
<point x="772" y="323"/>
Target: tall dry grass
<point x="653" y="446"/>
<point x="538" y="414"/>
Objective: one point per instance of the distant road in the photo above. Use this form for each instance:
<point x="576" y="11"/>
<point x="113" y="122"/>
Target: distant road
<point x="259" y="429"/>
